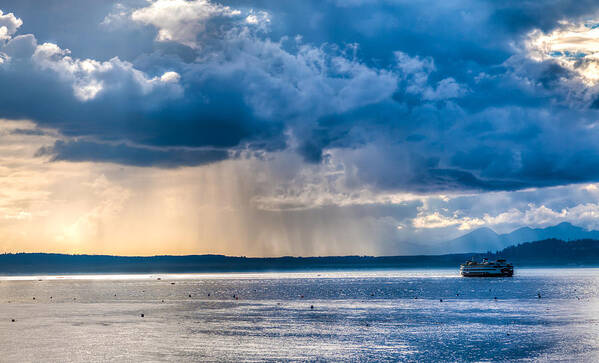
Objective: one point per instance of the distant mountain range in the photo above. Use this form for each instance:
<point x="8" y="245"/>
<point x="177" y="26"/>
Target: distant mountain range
<point x="550" y="252"/>
<point x="485" y="239"/>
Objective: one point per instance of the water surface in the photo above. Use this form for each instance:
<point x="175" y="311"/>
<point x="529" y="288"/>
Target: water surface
<point x="357" y="316"/>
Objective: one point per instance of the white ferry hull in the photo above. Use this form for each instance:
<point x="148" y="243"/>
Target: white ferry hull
<point x="487" y="273"/>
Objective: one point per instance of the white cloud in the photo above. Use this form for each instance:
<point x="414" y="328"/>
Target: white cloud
<point x="260" y="19"/>
<point x="118" y="16"/>
<point x="90" y="77"/>
<point x="301" y="80"/>
<point x="415" y="72"/>
<point x="446" y="89"/>
<point x="536" y="216"/>
<point x="438" y="220"/>
<point x="170" y="77"/>
<point x="280" y="84"/>
<point x="179" y="20"/>
<point x="584" y="214"/>
<point x="9" y="24"/>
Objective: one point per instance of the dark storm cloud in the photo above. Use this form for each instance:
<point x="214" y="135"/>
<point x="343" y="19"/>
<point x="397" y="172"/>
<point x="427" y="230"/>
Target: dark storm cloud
<point x="421" y="96"/>
<point x="131" y="155"/>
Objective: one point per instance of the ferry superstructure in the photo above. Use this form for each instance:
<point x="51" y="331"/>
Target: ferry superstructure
<point x="486" y="268"/>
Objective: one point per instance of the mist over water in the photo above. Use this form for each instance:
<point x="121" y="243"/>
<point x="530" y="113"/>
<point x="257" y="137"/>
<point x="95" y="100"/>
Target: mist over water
<point x="356" y="316"/>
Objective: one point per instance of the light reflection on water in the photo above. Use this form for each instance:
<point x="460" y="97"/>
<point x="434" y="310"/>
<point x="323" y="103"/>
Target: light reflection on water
<point x="356" y="315"/>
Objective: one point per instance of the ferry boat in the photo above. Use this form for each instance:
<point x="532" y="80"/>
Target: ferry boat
<point x="486" y="268"/>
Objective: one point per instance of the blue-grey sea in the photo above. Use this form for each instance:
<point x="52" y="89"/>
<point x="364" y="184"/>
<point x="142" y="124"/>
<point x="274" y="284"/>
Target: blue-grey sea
<point x="402" y="315"/>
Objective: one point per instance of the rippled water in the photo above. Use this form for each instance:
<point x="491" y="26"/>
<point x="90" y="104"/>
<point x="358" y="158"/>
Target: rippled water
<point x="356" y="316"/>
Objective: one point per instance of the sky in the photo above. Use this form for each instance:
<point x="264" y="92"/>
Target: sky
<point x="313" y="127"/>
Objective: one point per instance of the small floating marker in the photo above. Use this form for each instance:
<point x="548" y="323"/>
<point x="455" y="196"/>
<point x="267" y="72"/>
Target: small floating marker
<point x="12" y="320"/>
<point x="311" y="306"/>
<point x="34" y="298"/>
<point x="441" y="300"/>
<point x="142" y="315"/>
<point x="189" y="295"/>
<point x="508" y="334"/>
